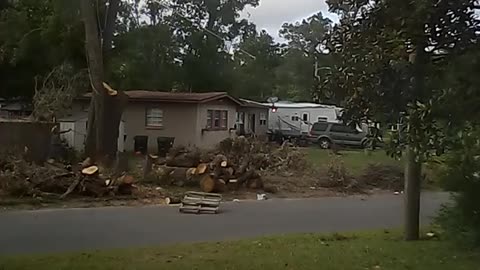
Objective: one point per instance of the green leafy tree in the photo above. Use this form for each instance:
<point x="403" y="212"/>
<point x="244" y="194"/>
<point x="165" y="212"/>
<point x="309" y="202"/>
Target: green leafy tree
<point x="303" y="57"/>
<point x="391" y="55"/>
<point x="145" y="58"/>
<point x="255" y="76"/>
<point x="35" y="37"/>
<point x="205" y="31"/>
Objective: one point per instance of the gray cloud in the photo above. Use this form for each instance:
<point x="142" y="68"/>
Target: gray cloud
<point x="272" y="14"/>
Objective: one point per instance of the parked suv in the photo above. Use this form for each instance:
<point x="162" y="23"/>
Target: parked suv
<point x="325" y="134"/>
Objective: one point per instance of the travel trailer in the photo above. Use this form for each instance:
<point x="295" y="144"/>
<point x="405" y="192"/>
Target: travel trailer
<point x="290" y="119"/>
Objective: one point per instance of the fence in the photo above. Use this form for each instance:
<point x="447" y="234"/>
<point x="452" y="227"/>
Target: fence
<point x="31" y="137"/>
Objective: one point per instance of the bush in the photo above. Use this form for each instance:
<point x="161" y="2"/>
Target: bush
<point x="461" y="175"/>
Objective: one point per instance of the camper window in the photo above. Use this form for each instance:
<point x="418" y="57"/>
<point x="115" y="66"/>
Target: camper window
<point x="295" y="118"/>
<point x="322" y="119"/>
<point x="305" y="117"/>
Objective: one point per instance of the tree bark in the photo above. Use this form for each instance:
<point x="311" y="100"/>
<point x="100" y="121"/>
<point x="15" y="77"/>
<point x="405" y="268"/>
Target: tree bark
<point x="95" y="64"/>
<point x="413" y="173"/>
<point x="105" y="110"/>
<point x="413" y="166"/>
<point x="109" y="28"/>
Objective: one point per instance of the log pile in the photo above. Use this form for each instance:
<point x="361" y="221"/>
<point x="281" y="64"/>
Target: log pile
<point x="234" y="164"/>
<point x="19" y="178"/>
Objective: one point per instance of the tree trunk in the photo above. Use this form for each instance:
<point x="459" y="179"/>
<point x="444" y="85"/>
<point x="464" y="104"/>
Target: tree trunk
<point x="95" y="63"/>
<point x="105" y="110"/>
<point x="109" y="27"/>
<point x="413" y="173"/>
<point x="413" y="167"/>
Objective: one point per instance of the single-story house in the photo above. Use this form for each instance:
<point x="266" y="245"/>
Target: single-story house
<point x="15" y="109"/>
<point x="193" y="119"/>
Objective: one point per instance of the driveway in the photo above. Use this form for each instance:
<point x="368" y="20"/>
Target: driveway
<point x="47" y="231"/>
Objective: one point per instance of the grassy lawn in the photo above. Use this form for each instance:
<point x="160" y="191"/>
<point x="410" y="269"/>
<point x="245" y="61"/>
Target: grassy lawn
<point x="355" y="160"/>
<point x="362" y="251"/>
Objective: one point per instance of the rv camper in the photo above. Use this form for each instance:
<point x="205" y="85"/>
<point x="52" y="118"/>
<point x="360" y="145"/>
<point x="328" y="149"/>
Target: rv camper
<point x="289" y="120"/>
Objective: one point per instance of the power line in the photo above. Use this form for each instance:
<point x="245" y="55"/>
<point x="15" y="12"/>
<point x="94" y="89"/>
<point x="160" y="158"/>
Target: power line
<point x="206" y="29"/>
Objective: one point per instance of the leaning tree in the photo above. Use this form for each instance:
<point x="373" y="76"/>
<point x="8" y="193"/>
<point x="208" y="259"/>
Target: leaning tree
<point x="392" y="55"/>
<point x="106" y="105"/>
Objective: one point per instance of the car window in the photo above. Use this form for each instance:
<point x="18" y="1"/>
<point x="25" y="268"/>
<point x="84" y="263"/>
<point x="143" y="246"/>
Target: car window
<point x="342" y="129"/>
<point x="320" y="126"/>
<point x="338" y="128"/>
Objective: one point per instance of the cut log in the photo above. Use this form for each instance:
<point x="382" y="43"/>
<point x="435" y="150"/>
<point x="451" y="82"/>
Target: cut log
<point x="251" y="174"/>
<point x="220" y="186"/>
<point x="173" y="200"/>
<point x="227" y="174"/>
<point x="179" y="176"/>
<point x="207" y="183"/>
<point x="202" y="168"/>
<point x="162" y="175"/>
<point x="87" y="163"/>
<point x="191" y="173"/>
<point x="92" y="170"/>
<point x="220" y="161"/>
<point x="186" y="160"/>
<point x="125" y="180"/>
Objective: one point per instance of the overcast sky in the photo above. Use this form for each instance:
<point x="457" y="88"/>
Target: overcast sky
<point x="271" y="14"/>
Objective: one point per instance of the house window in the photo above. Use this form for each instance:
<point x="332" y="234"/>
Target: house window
<point x="217" y="119"/>
<point x="263" y="119"/>
<point x="154" y="118"/>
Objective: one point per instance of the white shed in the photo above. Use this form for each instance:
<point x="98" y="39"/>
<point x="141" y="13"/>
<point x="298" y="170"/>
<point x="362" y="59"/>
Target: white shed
<point x="78" y="125"/>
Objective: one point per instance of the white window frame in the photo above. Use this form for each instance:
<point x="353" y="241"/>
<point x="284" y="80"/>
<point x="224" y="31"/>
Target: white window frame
<point x="154" y="117"/>
<point x="263" y="119"/>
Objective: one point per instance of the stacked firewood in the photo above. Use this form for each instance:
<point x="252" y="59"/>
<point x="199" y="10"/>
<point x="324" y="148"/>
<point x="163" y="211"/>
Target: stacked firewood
<point x="208" y="170"/>
<point x="234" y="164"/>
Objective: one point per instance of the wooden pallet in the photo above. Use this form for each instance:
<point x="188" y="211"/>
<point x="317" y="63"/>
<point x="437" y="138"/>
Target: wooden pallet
<point x="199" y="202"/>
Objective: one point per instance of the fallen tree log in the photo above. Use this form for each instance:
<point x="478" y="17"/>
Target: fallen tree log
<point x="178" y="176"/>
<point x="186" y="160"/>
<point x="201" y="168"/>
<point x="90" y="171"/>
<point x="208" y="184"/>
<point x="173" y="200"/>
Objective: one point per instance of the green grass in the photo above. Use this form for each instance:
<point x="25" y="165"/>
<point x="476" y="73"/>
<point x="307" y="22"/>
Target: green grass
<point x="355" y="160"/>
<point x="364" y="251"/>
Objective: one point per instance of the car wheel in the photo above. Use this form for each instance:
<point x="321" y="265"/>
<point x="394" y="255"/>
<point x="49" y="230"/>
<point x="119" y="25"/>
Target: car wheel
<point x="324" y="143"/>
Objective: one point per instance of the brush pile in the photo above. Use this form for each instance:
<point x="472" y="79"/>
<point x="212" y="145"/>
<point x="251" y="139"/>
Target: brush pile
<point x="20" y="178"/>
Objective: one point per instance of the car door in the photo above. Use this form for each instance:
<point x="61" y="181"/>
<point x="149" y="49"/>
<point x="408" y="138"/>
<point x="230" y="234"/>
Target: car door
<point x="338" y="133"/>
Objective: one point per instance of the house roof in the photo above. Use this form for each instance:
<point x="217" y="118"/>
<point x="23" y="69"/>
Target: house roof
<point x="16" y="106"/>
<point x="143" y="95"/>
<point x="300" y="105"/>
<point x="253" y="104"/>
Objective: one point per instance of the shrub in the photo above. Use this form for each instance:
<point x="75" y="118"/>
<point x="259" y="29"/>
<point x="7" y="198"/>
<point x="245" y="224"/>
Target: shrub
<point x="461" y="175"/>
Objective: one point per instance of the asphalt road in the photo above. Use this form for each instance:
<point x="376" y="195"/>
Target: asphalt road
<point x="48" y="231"/>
